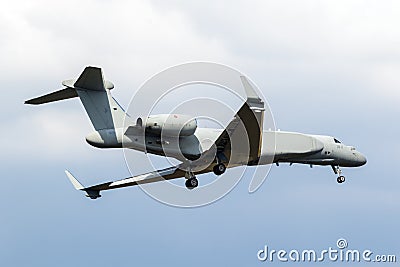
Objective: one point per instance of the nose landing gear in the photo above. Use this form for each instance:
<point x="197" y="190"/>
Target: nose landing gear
<point x="341" y="179"/>
<point x="337" y="170"/>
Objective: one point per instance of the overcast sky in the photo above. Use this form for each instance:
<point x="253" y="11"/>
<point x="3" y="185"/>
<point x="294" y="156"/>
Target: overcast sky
<point x="325" y="67"/>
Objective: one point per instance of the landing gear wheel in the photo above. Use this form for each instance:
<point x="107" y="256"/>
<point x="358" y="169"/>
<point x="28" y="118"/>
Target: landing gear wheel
<point x="191" y="183"/>
<point x="341" y="179"/>
<point x="219" y="169"/>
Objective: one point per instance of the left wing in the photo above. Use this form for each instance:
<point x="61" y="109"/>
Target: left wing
<point x="174" y="172"/>
<point x="94" y="191"/>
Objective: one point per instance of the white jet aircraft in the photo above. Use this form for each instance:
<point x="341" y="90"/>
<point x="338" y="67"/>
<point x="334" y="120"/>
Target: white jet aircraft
<point x="242" y="142"/>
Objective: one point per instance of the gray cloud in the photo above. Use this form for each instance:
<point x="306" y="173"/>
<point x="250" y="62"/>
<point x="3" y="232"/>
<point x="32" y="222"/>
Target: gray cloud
<point x="326" y="67"/>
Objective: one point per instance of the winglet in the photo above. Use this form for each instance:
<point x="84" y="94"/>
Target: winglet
<point x="74" y="182"/>
<point x="253" y="99"/>
<point x="93" y="194"/>
<point x="248" y="88"/>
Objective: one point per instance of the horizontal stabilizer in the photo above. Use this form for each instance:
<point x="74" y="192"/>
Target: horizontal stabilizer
<point x="55" y="96"/>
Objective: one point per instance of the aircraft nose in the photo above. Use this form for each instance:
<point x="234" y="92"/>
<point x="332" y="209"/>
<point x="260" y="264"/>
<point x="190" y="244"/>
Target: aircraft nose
<point x="361" y="159"/>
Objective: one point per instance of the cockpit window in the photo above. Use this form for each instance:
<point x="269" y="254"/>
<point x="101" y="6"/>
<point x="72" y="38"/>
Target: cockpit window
<point x="337" y="141"/>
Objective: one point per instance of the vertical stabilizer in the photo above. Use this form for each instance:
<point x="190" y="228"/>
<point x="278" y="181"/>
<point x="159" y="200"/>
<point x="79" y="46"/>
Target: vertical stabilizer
<point x="91" y="79"/>
<point x="104" y="112"/>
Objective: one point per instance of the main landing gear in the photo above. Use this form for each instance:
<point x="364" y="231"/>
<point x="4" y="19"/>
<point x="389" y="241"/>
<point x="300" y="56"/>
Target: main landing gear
<point x="337" y="170"/>
<point x="219" y="169"/>
<point x="191" y="181"/>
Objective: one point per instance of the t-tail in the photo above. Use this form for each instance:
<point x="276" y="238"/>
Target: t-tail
<point x="103" y="110"/>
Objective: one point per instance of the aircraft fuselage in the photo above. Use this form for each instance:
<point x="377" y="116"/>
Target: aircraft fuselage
<point x="289" y="147"/>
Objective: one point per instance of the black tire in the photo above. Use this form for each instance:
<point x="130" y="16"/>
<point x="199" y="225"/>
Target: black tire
<point x="191" y="183"/>
<point x="341" y="179"/>
<point x="219" y="169"/>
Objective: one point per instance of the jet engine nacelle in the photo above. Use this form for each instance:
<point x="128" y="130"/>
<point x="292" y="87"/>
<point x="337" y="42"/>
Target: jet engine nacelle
<point x="171" y="125"/>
